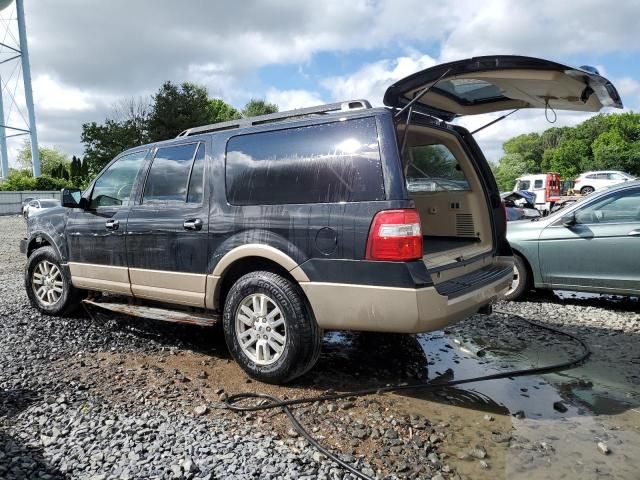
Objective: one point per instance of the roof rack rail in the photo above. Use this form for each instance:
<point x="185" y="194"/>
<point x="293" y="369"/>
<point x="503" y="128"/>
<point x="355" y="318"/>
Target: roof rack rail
<point x="278" y="116"/>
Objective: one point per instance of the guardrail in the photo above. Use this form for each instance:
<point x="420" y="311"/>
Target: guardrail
<point x="11" y="202"/>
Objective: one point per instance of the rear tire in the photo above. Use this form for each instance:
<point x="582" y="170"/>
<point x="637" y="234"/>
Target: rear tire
<point x="587" y="190"/>
<point x="48" y="285"/>
<point x="269" y="328"/>
<point x="520" y="281"/>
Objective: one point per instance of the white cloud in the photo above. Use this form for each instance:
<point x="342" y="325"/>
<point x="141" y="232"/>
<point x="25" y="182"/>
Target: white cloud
<point x="371" y="80"/>
<point x="86" y="56"/>
<point x="52" y="95"/>
<point x="544" y="27"/>
<point x="290" y="99"/>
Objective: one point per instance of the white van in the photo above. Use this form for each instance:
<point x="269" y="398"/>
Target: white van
<point x="545" y="186"/>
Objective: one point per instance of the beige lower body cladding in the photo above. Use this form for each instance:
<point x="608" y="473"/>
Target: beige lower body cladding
<point x="389" y="309"/>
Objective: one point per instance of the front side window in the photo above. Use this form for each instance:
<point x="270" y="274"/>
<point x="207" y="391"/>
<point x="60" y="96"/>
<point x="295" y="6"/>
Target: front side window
<point x="325" y="163"/>
<point x="113" y="188"/>
<point x="523" y="185"/>
<point x="168" y="178"/>
<point x="432" y="168"/>
<point x="621" y="207"/>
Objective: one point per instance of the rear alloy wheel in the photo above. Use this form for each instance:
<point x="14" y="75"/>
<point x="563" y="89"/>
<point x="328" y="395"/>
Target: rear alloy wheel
<point x="269" y="328"/>
<point x="48" y="287"/>
<point x="520" y="280"/>
<point x="587" y="190"/>
<point x="260" y="329"/>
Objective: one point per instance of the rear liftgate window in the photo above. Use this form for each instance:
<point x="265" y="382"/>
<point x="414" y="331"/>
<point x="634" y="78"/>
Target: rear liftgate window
<point x="326" y="163"/>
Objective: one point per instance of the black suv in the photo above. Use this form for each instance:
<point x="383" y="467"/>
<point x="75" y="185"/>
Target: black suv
<point x="341" y="216"/>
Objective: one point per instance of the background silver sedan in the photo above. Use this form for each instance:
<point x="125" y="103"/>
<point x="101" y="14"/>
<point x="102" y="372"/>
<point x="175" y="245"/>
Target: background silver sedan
<point x="592" y="246"/>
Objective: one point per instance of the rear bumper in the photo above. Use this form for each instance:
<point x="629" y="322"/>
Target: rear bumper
<point x="402" y="310"/>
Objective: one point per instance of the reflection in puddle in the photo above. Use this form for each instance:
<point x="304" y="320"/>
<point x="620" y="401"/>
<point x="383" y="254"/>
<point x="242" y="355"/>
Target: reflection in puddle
<point x="531" y="427"/>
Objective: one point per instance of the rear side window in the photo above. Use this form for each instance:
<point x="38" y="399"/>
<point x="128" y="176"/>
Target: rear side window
<point x="326" y="163"/>
<point x="537" y="184"/>
<point x="168" y="178"/>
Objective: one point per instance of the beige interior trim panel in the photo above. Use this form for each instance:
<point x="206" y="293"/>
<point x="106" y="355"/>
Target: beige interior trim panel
<point x="523" y="89"/>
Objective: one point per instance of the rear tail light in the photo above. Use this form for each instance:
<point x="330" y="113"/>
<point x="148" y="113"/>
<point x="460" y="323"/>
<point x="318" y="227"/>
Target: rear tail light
<point x="395" y="235"/>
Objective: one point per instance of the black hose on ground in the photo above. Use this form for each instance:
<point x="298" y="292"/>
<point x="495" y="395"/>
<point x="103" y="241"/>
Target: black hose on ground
<point x="232" y="402"/>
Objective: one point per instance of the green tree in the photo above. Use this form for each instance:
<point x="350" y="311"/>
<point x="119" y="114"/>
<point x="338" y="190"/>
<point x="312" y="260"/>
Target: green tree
<point x="103" y="142"/>
<point x="18" y="180"/>
<point x="512" y="166"/>
<point x="176" y="108"/>
<point x="605" y="141"/>
<point x="221" y="111"/>
<point x="255" y="107"/>
<point x="530" y="149"/>
<point x="50" y="159"/>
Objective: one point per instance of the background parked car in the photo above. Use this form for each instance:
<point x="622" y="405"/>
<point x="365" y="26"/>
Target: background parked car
<point x="590" y="182"/>
<point x="38" y="205"/>
<point x="589" y="246"/>
<point x="520" y="205"/>
<point x="545" y="187"/>
<point x="25" y="204"/>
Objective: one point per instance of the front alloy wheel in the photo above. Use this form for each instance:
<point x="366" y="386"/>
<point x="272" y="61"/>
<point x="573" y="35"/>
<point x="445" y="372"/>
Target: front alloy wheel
<point x="47" y="284"/>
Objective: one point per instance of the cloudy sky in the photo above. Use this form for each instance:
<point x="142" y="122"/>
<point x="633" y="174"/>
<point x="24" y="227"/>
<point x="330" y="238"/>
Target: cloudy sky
<point x="88" y="55"/>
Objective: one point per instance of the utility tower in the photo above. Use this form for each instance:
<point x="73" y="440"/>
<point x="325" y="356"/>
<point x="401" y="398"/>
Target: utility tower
<point x="14" y="51"/>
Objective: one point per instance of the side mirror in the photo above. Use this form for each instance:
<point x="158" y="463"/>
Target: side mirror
<point x="72" y="198"/>
<point x="569" y="220"/>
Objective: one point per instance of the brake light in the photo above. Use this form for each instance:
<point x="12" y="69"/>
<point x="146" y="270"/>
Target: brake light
<point x="395" y="235"/>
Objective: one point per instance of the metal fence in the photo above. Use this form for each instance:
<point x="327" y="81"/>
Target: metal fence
<point x="11" y="202"/>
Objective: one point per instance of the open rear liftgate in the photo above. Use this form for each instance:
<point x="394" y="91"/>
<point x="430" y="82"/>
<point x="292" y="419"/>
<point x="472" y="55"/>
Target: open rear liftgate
<point x="119" y="305"/>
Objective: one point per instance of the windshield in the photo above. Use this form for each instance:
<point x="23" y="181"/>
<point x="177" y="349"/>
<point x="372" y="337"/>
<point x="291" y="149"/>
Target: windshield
<point x="49" y="203"/>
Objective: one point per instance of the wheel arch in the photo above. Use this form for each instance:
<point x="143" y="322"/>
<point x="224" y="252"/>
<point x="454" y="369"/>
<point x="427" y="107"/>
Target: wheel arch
<point x="39" y="240"/>
<point x="527" y="263"/>
<point x="245" y="259"/>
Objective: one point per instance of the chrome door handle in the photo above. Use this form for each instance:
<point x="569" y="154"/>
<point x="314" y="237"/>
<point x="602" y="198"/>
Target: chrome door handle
<point x="193" y="224"/>
<point x="112" y="224"/>
<point x="634" y="233"/>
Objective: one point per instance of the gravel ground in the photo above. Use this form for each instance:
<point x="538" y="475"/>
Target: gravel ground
<point x="76" y="402"/>
<point x="97" y="396"/>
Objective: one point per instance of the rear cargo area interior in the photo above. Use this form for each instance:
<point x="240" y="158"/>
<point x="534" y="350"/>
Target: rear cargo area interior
<point x="441" y="180"/>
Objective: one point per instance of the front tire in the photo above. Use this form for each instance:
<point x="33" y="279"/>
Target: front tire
<point x="521" y="280"/>
<point x="587" y="190"/>
<point x="269" y="328"/>
<point x="48" y="285"/>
